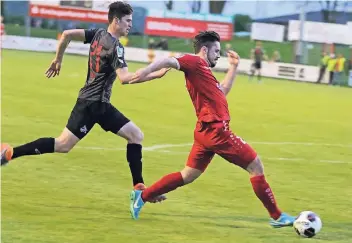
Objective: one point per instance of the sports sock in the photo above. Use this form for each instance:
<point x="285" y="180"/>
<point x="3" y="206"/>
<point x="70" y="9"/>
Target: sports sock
<point x="39" y="146"/>
<point x="264" y="193"/>
<point x="259" y="77"/>
<point x="134" y="158"/>
<point x="166" y="184"/>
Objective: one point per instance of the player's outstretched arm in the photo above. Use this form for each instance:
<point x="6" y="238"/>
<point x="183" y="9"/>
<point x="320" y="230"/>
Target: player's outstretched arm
<point x="66" y="37"/>
<point x="160" y="65"/>
<point x="227" y="83"/>
<point x="126" y="77"/>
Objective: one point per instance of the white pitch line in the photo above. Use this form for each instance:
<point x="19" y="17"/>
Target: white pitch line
<point x="160" y="148"/>
<point x="305" y="144"/>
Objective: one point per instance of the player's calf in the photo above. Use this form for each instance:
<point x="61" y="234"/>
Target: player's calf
<point x="134" y="137"/>
<point x="264" y="193"/>
<point x="262" y="189"/>
<point x="39" y="146"/>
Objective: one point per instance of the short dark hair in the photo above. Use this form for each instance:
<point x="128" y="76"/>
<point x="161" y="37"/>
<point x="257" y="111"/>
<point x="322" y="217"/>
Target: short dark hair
<point x="119" y="9"/>
<point x="205" y="38"/>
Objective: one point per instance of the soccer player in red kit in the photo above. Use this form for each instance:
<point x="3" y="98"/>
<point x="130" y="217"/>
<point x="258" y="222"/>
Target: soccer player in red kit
<point x="212" y="134"/>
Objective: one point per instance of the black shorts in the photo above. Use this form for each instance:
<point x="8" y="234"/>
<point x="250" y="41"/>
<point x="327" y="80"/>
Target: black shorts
<point x="257" y="65"/>
<point x="87" y="112"/>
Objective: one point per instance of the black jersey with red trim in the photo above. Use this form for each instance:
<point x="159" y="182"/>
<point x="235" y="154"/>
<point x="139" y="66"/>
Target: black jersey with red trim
<point x="106" y="54"/>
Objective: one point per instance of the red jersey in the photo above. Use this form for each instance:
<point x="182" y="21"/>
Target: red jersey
<point x="209" y="101"/>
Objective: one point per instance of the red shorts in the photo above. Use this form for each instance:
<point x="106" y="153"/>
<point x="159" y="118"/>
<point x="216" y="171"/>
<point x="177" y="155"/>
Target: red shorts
<point x="217" y="138"/>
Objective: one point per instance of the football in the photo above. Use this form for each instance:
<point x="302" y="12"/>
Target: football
<point x="307" y="224"/>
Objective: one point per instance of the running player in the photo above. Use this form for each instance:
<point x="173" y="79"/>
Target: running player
<point x="212" y="134"/>
<point x="106" y="62"/>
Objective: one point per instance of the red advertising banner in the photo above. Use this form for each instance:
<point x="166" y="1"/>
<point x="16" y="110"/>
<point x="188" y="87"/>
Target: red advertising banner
<point x="67" y="13"/>
<point x="185" y="28"/>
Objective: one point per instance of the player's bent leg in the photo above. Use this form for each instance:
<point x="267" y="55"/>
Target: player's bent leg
<point x="166" y="184"/>
<point x="198" y="160"/>
<point x="134" y="137"/>
<point x="235" y="150"/>
<point x="263" y="191"/>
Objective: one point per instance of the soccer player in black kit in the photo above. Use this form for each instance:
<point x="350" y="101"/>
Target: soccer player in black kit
<point x="106" y="62"/>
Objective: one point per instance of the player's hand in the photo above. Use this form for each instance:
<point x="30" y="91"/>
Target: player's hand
<point x="163" y="71"/>
<point x="138" y="76"/>
<point x="233" y="57"/>
<point x="54" y="69"/>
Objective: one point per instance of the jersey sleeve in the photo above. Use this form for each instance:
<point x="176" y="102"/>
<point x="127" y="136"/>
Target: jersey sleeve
<point x="119" y="57"/>
<point x="89" y="35"/>
<point x="187" y="62"/>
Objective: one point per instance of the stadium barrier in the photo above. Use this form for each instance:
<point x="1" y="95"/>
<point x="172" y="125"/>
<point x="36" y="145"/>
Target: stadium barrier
<point x="287" y="71"/>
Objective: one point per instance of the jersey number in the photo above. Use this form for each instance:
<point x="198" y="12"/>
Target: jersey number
<point x="96" y="55"/>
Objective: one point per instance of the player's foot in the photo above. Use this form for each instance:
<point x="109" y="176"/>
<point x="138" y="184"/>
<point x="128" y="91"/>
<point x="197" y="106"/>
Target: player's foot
<point x="141" y="187"/>
<point x="136" y="203"/>
<point x="6" y="153"/>
<point x="284" y="220"/>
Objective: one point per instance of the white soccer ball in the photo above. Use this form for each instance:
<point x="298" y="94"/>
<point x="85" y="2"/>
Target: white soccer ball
<point x="307" y="224"/>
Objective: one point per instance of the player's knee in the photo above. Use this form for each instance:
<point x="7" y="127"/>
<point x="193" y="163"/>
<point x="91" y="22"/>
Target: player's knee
<point x="256" y="167"/>
<point x="137" y="136"/>
<point x="190" y="174"/>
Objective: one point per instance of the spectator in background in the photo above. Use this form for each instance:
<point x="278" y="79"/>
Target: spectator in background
<point x="339" y="69"/>
<point x="2" y="30"/>
<point x="331" y="67"/>
<point x="276" y="56"/>
<point x="151" y="43"/>
<point x="323" y="64"/>
<point x="228" y="47"/>
<point x="162" y="44"/>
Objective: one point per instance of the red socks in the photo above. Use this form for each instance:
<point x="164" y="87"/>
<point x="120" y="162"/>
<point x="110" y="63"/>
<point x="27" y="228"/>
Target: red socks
<point x="166" y="184"/>
<point x="174" y="180"/>
<point x="264" y="193"/>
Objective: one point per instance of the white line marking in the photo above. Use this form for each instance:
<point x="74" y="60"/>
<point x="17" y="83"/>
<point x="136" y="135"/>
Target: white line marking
<point x="305" y="144"/>
<point x="160" y="148"/>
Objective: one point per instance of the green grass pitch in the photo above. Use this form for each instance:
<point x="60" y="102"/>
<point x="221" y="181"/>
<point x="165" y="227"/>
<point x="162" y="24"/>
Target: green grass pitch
<point x="303" y="133"/>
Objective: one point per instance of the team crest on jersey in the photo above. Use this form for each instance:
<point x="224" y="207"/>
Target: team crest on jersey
<point x="119" y="51"/>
